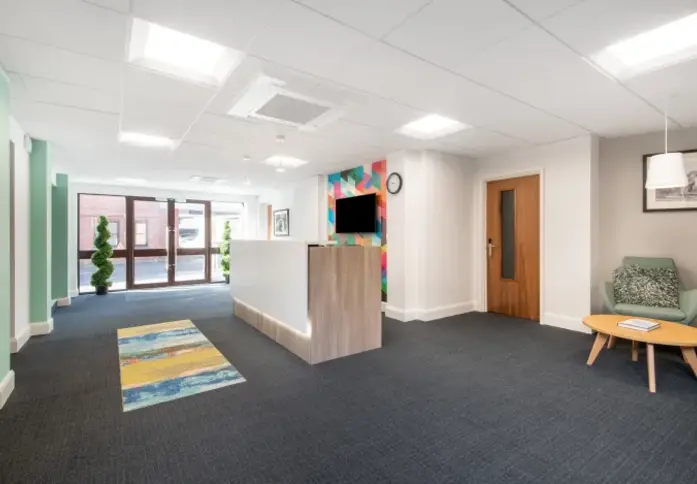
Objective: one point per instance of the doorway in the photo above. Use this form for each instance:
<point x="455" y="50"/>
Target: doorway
<point x="157" y="242"/>
<point x="513" y="247"/>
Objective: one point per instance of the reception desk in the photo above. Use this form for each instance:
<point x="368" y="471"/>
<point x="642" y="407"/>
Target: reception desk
<point x="320" y="302"/>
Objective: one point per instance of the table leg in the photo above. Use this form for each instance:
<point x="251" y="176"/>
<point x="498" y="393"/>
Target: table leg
<point x="600" y="340"/>
<point x="651" y="366"/>
<point x="688" y="354"/>
<point x="635" y="351"/>
<point x="611" y="342"/>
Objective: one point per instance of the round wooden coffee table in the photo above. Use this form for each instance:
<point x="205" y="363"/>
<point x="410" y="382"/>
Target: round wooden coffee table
<point x="669" y="334"/>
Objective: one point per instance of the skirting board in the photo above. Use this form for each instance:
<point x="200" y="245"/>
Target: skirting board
<point x="429" y="314"/>
<point x="45" y="327"/>
<point x="19" y="340"/>
<point x="7" y="386"/>
<point x="564" y="322"/>
<point x="74" y="293"/>
<point x="63" y="302"/>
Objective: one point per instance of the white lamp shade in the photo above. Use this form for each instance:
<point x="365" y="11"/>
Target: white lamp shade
<point x="666" y="171"/>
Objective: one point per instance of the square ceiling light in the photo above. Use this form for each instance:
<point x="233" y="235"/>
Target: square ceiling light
<point x="146" y="140"/>
<point x="431" y="127"/>
<point x="282" y="162"/>
<point x="182" y="55"/>
<point x="663" y="46"/>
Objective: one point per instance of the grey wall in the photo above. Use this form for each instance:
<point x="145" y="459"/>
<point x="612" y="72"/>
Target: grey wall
<point x="624" y="228"/>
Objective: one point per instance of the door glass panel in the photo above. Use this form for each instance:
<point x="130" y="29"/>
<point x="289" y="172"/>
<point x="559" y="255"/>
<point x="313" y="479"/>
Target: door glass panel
<point x="508" y="234"/>
<point x="118" y="278"/>
<point x="190" y="268"/>
<point x="222" y="212"/>
<point x="150" y="270"/>
<point x="150" y="224"/>
<point x="216" y="268"/>
<point x="190" y="222"/>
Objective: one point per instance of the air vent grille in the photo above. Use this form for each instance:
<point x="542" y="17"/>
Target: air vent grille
<point x="291" y="110"/>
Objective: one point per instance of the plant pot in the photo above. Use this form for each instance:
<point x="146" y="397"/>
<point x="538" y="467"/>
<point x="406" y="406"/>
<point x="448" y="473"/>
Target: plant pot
<point x="227" y="278"/>
<point x="102" y="290"/>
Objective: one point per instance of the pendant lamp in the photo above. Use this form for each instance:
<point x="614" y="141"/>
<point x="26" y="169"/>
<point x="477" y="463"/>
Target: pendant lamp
<point x="666" y="170"/>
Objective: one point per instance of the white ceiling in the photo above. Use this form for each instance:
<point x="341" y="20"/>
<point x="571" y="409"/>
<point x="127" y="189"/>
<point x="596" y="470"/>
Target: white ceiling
<point x="515" y="70"/>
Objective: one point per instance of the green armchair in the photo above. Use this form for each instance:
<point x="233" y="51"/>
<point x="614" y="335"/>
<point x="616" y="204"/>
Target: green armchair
<point x="688" y="299"/>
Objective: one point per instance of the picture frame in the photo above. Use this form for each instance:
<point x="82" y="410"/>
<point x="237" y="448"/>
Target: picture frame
<point x="672" y="199"/>
<point x="281" y="223"/>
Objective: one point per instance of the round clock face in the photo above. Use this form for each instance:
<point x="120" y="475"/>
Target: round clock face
<point x="394" y="183"/>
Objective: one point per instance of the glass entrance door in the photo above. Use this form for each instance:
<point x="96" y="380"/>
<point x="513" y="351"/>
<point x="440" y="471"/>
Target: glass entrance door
<point x="191" y="241"/>
<point x="149" y="247"/>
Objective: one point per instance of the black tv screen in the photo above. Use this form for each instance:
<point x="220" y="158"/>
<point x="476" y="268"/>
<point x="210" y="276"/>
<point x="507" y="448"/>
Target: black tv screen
<point x="356" y="214"/>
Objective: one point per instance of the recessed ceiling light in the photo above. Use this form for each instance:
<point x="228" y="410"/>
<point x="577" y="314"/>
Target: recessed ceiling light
<point x="248" y="181"/>
<point x="195" y="179"/>
<point x="246" y="158"/>
<point x="131" y="181"/>
<point x="666" y="45"/>
<point x="431" y="127"/>
<point x="146" y="140"/>
<point x="280" y="138"/>
<point x="282" y="161"/>
<point x="280" y="169"/>
<point x="180" y="54"/>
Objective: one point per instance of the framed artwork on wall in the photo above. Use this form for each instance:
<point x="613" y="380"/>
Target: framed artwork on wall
<point x="673" y="199"/>
<point x="281" y="223"/>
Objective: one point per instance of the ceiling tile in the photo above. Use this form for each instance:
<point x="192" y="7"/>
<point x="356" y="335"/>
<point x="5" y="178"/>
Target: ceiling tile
<point x="537" y="69"/>
<point x="672" y="87"/>
<point x="44" y="91"/>
<point x="592" y="25"/>
<point x="384" y="15"/>
<point x="307" y="41"/>
<point x="475" y="141"/>
<point x="70" y="24"/>
<point x="382" y="113"/>
<point x="41" y="61"/>
<point x="121" y="6"/>
<point x="234" y="23"/>
<point x="448" y="31"/>
<point x="160" y="105"/>
<point x="540" y="9"/>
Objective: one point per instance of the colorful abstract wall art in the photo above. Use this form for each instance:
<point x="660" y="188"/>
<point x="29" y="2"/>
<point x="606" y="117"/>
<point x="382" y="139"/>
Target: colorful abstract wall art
<point x="362" y="180"/>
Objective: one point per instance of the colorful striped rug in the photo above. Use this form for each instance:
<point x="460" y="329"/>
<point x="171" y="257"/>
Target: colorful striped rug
<point x="167" y="361"/>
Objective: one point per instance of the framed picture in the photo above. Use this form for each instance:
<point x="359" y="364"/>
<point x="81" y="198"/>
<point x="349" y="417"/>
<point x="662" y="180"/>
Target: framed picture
<point x="673" y="199"/>
<point x="281" y="223"/>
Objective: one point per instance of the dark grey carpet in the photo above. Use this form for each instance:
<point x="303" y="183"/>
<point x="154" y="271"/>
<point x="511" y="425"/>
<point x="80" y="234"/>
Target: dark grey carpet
<point x="476" y="398"/>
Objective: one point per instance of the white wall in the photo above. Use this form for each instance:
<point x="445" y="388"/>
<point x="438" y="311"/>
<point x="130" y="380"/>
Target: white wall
<point x="251" y="204"/>
<point x="566" y="170"/>
<point x="429" y="226"/>
<point x="19" y="329"/>
<point x="625" y="229"/>
<point x="308" y="216"/>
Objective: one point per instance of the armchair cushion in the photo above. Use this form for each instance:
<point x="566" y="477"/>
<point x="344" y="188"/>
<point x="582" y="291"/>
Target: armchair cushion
<point x="647" y="286"/>
<point x="666" y="314"/>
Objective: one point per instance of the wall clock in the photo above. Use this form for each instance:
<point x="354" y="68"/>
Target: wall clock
<point x="394" y="183"/>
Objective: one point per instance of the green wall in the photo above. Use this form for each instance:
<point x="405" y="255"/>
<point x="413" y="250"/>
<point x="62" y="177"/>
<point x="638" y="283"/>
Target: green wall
<point x="4" y="225"/>
<point x="59" y="229"/>
<point x="40" y="232"/>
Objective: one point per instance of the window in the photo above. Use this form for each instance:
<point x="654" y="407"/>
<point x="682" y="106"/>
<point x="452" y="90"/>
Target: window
<point x="141" y="233"/>
<point x="114" y="231"/>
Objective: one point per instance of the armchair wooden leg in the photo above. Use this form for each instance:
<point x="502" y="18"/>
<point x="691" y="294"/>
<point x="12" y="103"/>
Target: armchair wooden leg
<point x="611" y="342"/>
<point x="651" y="364"/>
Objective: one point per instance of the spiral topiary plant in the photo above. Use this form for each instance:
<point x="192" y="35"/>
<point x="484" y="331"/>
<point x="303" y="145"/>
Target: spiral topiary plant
<point x="225" y="252"/>
<point x="101" y="256"/>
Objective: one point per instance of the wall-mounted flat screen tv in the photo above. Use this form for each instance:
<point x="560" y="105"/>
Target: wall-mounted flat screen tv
<point x="356" y="214"/>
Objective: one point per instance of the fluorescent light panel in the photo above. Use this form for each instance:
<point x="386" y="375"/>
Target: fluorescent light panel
<point x="146" y="140"/>
<point x="179" y="54"/>
<point x="666" y="45"/>
<point x="282" y="162"/>
<point x="431" y="127"/>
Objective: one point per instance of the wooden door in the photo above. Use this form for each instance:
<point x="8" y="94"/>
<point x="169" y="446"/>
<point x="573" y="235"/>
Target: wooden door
<point x="513" y="247"/>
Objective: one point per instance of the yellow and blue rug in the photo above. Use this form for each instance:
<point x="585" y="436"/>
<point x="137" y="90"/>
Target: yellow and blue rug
<point x="167" y="361"/>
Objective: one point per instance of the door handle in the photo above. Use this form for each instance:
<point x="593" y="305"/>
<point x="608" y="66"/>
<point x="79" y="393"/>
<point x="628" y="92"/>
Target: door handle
<point x="490" y="247"/>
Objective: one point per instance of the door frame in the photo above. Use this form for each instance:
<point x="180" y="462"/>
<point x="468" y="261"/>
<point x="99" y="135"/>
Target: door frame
<point x="480" y="254"/>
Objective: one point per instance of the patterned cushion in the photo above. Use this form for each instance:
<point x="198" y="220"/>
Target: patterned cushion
<point x="646" y="286"/>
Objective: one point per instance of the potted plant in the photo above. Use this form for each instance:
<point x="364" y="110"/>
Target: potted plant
<point x="101" y="258"/>
<point x="225" y="252"/>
